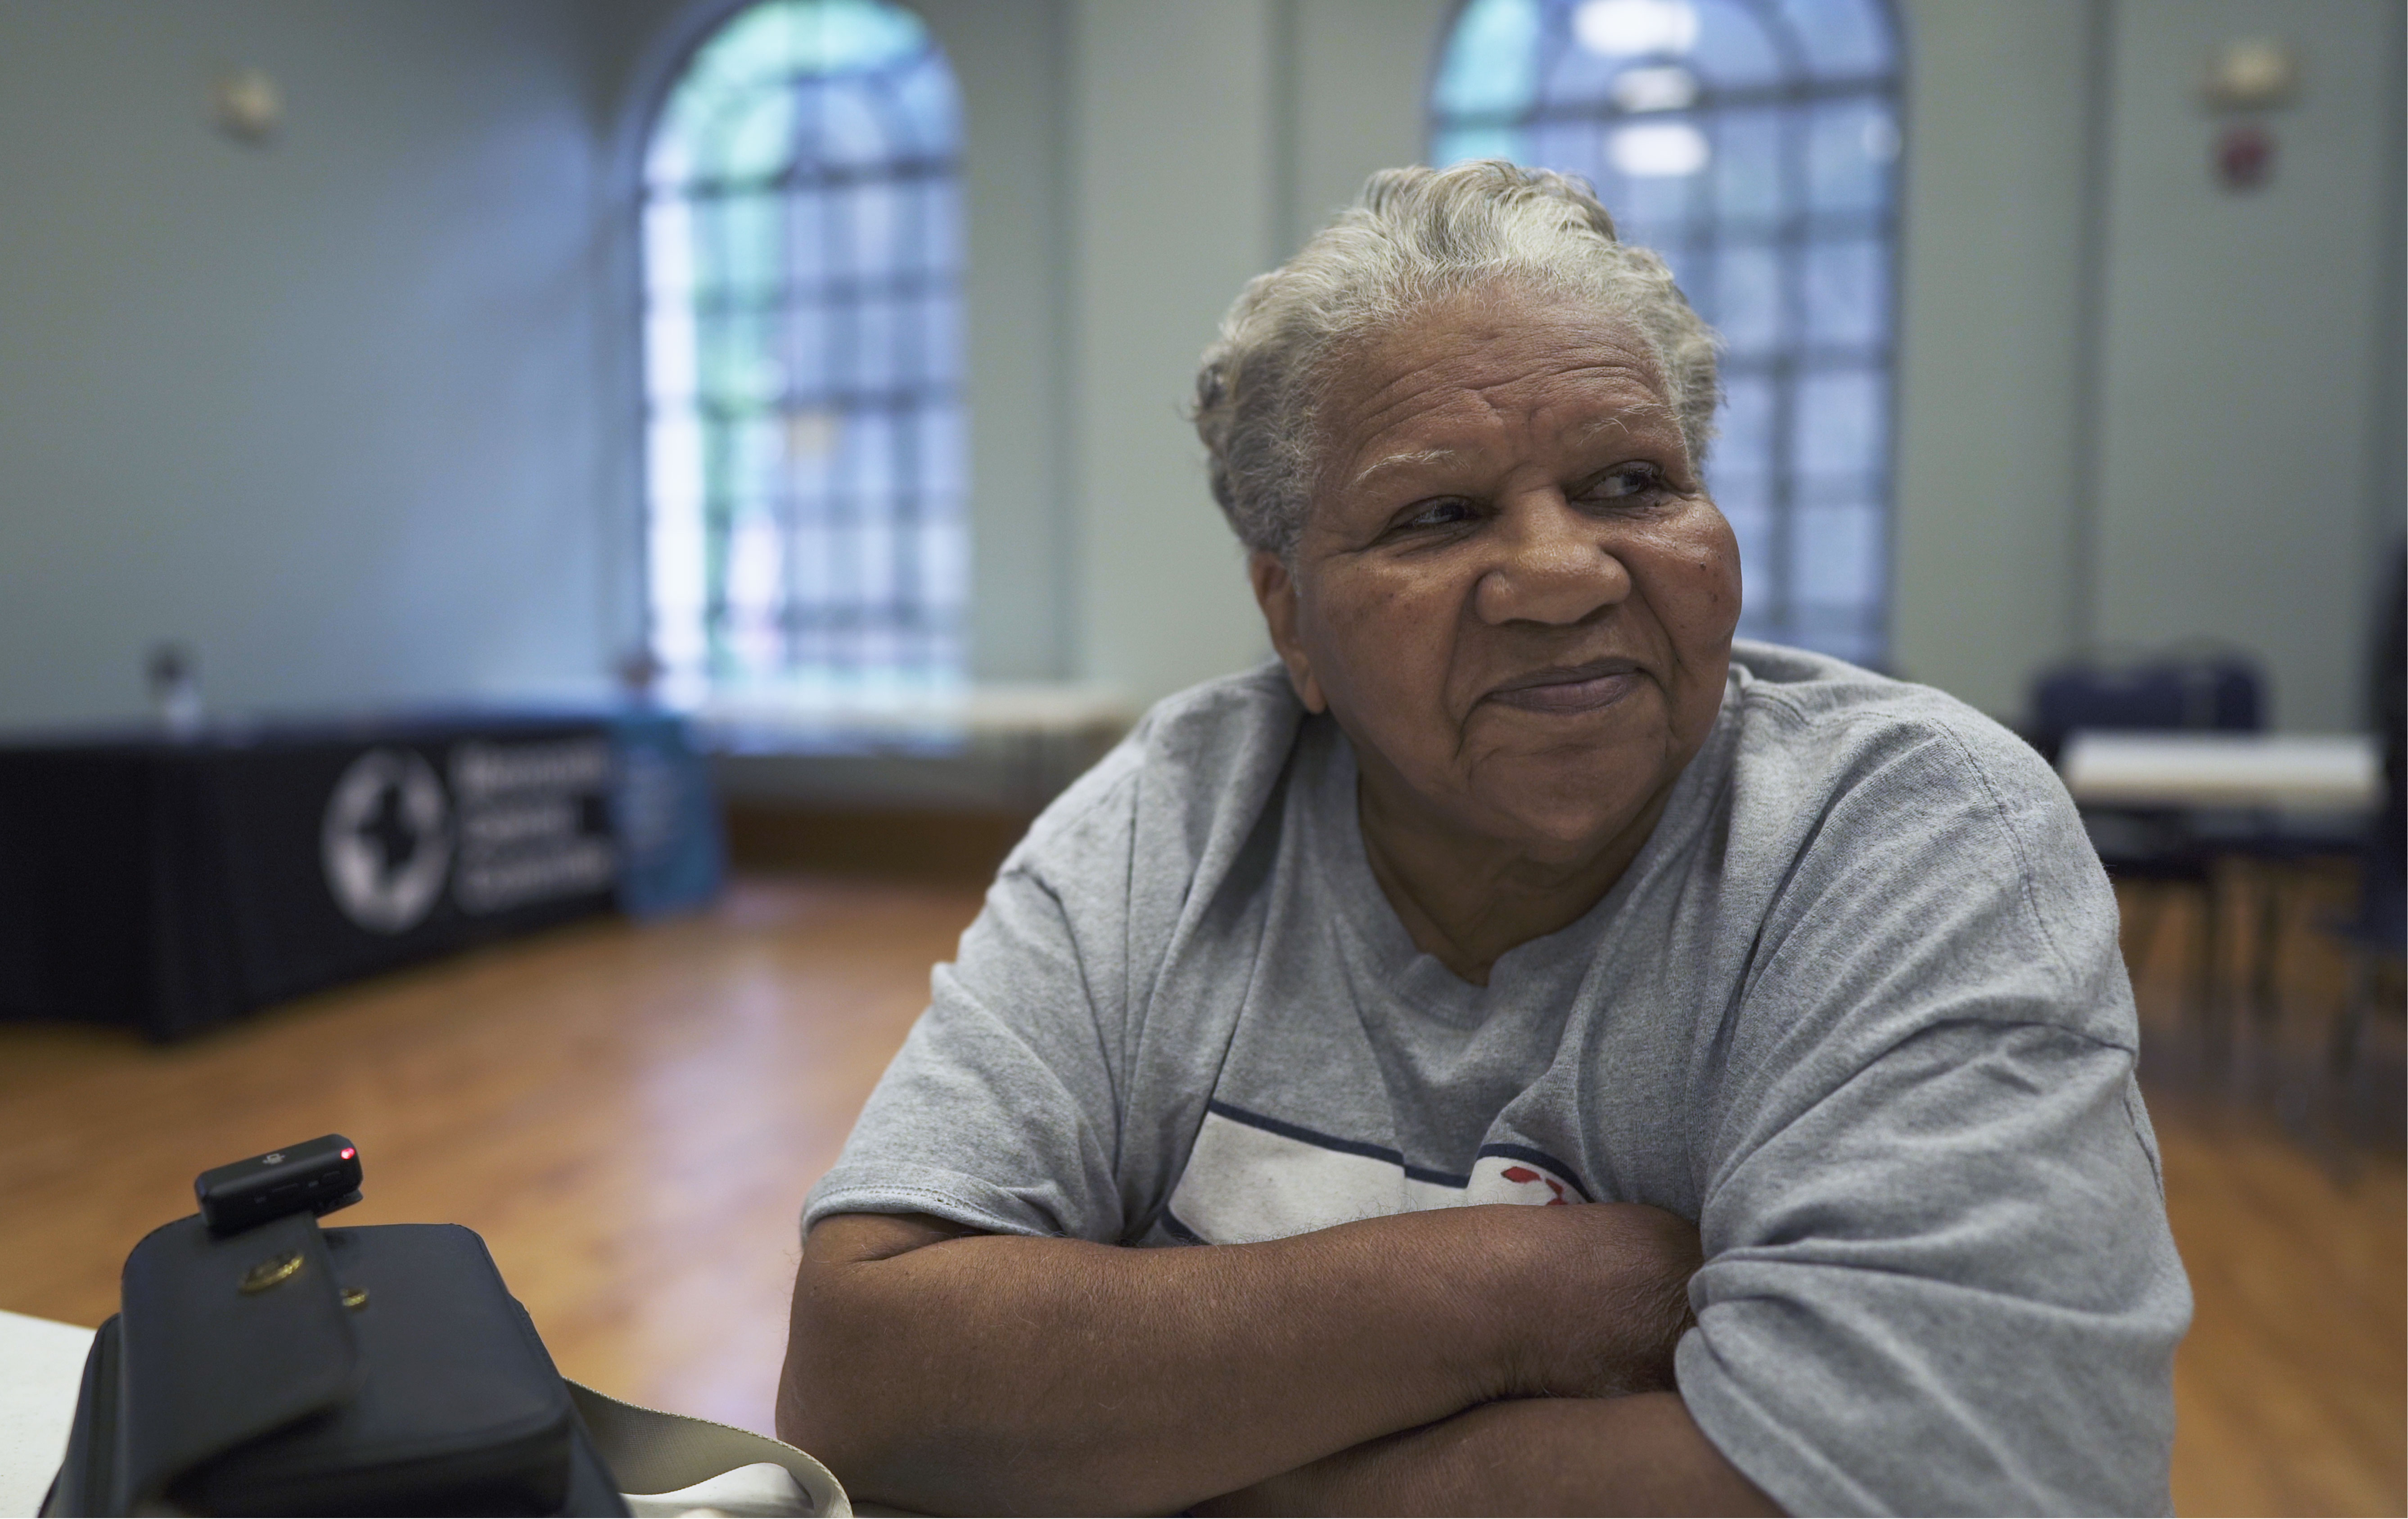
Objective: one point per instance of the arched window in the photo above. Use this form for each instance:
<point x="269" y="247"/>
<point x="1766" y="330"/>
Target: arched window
<point x="1755" y="144"/>
<point x="803" y="356"/>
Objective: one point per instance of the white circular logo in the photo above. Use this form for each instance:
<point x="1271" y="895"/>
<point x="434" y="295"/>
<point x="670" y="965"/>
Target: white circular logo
<point x="386" y="843"/>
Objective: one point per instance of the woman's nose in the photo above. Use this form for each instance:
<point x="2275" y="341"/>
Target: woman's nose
<point x="1551" y="564"/>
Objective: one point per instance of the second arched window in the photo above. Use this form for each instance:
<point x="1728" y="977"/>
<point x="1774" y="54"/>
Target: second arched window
<point x="803" y="356"/>
<point x="1755" y="144"/>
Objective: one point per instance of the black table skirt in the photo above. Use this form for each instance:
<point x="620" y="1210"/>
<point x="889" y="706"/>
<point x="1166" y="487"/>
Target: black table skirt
<point x="170" y="886"/>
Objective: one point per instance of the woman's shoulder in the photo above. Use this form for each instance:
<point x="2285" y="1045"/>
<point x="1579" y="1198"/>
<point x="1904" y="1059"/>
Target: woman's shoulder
<point x="1185" y="784"/>
<point x="1845" y="780"/>
<point x="1840" y="724"/>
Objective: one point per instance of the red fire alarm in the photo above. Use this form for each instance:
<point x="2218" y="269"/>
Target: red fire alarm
<point x="2245" y="156"/>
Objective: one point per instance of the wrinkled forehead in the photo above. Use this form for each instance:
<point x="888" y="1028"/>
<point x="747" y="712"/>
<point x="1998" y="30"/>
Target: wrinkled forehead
<point x="1489" y="369"/>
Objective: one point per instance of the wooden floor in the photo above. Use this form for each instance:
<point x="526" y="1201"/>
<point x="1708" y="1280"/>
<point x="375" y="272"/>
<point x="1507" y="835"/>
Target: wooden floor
<point x="631" y="1116"/>
<point x="2290" y="1202"/>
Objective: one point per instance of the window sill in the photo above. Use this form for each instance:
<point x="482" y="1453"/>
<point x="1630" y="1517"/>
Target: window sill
<point x="1000" y="748"/>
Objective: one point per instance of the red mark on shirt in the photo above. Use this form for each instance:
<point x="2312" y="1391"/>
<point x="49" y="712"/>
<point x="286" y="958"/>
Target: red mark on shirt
<point x="1523" y="1175"/>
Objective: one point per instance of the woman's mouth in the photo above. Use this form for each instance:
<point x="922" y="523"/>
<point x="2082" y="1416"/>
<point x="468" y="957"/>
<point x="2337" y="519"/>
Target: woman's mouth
<point x="1578" y="688"/>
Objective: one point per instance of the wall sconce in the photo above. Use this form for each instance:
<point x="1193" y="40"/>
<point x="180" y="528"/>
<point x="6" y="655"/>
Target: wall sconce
<point x="246" y="105"/>
<point x="2254" y="74"/>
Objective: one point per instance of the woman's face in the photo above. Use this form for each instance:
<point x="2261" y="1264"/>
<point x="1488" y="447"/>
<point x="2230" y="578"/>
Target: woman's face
<point x="1512" y="590"/>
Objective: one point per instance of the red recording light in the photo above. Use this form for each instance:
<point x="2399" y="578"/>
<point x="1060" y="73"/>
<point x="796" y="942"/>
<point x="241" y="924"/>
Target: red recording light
<point x="349" y="1152"/>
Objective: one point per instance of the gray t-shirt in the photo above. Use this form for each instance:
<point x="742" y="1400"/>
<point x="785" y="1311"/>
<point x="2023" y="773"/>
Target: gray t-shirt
<point x="1856" y="1008"/>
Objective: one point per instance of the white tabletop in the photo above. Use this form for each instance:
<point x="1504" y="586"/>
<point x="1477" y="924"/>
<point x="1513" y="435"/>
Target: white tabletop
<point x="41" y="1365"/>
<point x="2321" y="772"/>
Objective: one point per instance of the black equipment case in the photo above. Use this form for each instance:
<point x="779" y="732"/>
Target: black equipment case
<point x="286" y="1370"/>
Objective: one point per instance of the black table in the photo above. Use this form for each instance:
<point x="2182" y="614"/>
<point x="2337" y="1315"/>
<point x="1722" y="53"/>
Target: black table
<point x="170" y="885"/>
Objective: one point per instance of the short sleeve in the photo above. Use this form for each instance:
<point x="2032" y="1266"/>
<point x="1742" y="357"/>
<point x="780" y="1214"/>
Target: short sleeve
<point x="1038" y="1095"/>
<point x="1939" y="1277"/>
<point x="998" y="1113"/>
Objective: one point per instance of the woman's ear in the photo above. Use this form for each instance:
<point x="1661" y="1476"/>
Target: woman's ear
<point x="1275" y="592"/>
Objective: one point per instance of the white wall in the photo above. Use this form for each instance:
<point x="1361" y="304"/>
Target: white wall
<point x="1175" y="210"/>
<point x="1989" y="356"/>
<point x="2236" y="477"/>
<point x="1013" y="58"/>
<point x="2241" y="361"/>
<point x="323" y="408"/>
<point x="1211" y="136"/>
<point x="1359" y="83"/>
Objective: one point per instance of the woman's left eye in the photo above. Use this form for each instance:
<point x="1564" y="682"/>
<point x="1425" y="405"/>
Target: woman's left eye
<point x="1624" y="482"/>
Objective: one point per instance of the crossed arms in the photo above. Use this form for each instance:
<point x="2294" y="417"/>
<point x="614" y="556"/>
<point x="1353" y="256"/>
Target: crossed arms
<point x="1494" y="1359"/>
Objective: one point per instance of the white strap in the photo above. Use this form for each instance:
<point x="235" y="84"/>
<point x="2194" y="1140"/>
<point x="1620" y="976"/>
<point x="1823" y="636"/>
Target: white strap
<point x="652" y="1451"/>
<point x="759" y="1491"/>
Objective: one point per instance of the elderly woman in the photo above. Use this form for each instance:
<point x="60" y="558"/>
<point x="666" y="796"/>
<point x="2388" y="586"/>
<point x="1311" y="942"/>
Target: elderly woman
<point x="1512" y="882"/>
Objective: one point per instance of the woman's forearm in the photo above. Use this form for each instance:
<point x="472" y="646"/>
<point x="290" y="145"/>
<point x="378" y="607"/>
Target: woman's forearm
<point x="943" y="1371"/>
<point x="1637" y="1454"/>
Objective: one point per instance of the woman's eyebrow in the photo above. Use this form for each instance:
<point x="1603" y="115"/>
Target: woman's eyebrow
<point x="1647" y="411"/>
<point x="1399" y="460"/>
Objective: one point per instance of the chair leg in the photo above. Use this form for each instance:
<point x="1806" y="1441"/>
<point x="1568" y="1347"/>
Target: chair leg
<point x="2266" y="954"/>
<point x="2210" y="1006"/>
<point x="2141" y="926"/>
<point x="2351" y="1024"/>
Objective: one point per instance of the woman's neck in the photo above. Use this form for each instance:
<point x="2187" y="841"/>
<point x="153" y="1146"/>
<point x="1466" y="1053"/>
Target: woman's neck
<point x="1467" y="900"/>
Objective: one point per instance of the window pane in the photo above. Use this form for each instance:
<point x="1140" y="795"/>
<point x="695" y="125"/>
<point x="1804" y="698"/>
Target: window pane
<point x="737" y="243"/>
<point x="1841" y="424"/>
<point x="1849" y="151"/>
<point x="931" y="235"/>
<point x="1751" y="172"/>
<point x="941" y="340"/>
<point x="1577" y="75"/>
<point x="1733" y="50"/>
<point x="1456" y="144"/>
<point x="926" y="111"/>
<point x="1491" y="67"/>
<point x="1748" y="298"/>
<point x="1847" y="293"/>
<point x="1557" y="143"/>
<point x="1745" y="496"/>
<point x="1839" y="555"/>
<point x="942" y="449"/>
<point x="811" y="371"/>
<point x="1842" y="38"/>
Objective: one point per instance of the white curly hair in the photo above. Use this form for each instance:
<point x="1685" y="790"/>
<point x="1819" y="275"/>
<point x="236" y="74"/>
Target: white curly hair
<point x="1414" y="236"/>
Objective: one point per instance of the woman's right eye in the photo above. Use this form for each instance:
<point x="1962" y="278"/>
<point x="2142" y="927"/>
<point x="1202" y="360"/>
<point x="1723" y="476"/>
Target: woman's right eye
<point x="1444" y="513"/>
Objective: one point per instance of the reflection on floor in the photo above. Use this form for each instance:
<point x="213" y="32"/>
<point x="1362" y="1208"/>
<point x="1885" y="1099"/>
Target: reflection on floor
<point x="630" y="1116"/>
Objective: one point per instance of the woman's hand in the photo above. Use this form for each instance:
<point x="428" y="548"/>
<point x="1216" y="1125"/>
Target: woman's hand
<point x="1612" y="1284"/>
